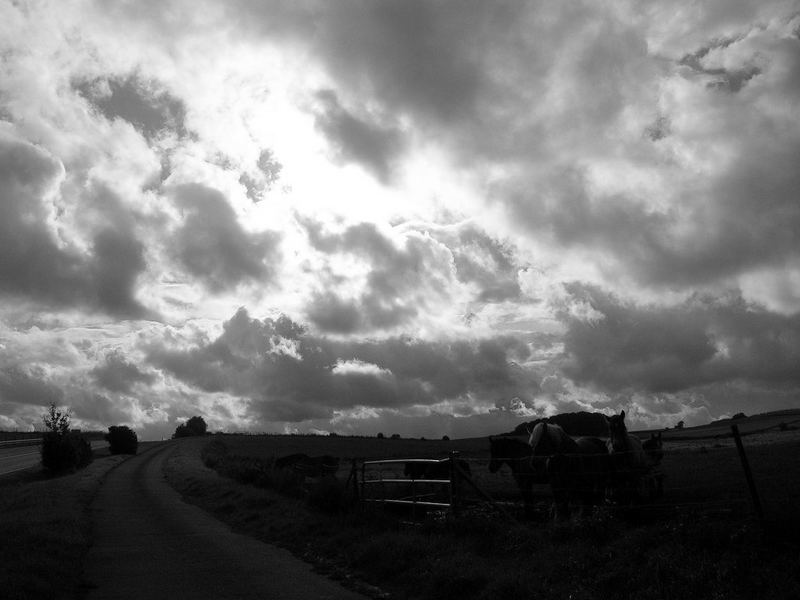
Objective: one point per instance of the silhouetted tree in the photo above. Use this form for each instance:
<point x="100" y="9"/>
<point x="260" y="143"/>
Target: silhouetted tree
<point x="122" y="440"/>
<point x="380" y="435"/>
<point x="61" y="449"/>
<point x="193" y="427"/>
<point x="679" y="425"/>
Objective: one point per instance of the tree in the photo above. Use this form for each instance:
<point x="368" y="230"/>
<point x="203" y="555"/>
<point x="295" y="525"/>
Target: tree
<point x="380" y="435"/>
<point x="446" y="438"/>
<point x="56" y="421"/>
<point x="193" y="427"/>
<point x="679" y="425"/>
<point x="63" y="450"/>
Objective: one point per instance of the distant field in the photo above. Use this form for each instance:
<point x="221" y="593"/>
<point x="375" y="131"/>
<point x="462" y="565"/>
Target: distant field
<point x="747" y="426"/>
<point x="701" y="471"/>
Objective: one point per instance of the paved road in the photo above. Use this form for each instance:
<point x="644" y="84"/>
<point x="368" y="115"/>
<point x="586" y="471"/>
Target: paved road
<point x="149" y="544"/>
<point x="20" y="458"/>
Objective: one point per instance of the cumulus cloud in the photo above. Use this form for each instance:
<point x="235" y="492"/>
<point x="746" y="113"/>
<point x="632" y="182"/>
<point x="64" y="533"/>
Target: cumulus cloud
<point x="290" y="375"/>
<point x="117" y="374"/>
<point x="144" y="104"/>
<point x="36" y="264"/>
<point x="702" y="341"/>
<point x="558" y="207"/>
<point x="373" y="145"/>
<point x="212" y="245"/>
<point x="403" y="274"/>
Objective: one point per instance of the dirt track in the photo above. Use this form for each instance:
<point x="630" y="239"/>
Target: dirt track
<point x="149" y="544"/>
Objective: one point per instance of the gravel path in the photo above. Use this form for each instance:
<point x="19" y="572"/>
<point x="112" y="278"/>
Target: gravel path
<point x="149" y="544"/>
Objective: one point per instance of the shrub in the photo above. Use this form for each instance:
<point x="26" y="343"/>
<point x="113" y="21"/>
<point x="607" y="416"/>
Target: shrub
<point x="122" y="440"/>
<point x="194" y="426"/>
<point x="65" y="452"/>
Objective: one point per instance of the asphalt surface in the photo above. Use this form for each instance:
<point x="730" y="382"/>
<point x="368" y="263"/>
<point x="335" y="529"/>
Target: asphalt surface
<point x="149" y="544"/>
<point x="21" y="458"/>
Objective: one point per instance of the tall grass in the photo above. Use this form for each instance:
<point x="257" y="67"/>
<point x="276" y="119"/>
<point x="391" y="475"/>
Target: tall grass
<point x="685" y="553"/>
<point x="45" y="532"/>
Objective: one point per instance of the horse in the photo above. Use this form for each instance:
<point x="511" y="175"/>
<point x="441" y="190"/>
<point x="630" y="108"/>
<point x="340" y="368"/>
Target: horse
<point x="309" y="466"/>
<point x="436" y="470"/>
<point x="653" y="448"/>
<point x="519" y="457"/>
<point x="577" y="469"/>
<point x="630" y="463"/>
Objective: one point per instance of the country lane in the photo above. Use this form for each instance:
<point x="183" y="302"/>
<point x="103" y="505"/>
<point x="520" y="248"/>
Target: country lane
<point x="148" y="544"/>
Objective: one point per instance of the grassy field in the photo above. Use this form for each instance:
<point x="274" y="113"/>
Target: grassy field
<point x="699" y="541"/>
<point x="699" y="470"/>
<point x="45" y="529"/>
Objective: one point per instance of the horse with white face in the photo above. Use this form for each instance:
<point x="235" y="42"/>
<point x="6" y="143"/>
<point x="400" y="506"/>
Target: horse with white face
<point x="629" y="462"/>
<point x="576" y="468"/>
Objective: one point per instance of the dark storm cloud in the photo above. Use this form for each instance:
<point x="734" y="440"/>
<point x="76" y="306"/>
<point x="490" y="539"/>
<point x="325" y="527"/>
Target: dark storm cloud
<point x="291" y="375"/>
<point x="117" y="374"/>
<point x="213" y="246"/>
<point x="26" y="387"/>
<point x="143" y="103"/>
<point x="401" y="279"/>
<point x="624" y="346"/>
<point x="370" y="144"/>
<point x="35" y="265"/>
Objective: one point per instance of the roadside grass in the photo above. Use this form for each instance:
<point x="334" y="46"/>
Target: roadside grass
<point x="686" y="553"/>
<point x="45" y="531"/>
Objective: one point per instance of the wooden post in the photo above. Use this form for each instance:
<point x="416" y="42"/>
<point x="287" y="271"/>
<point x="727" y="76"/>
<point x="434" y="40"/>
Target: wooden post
<point x="354" y="475"/>
<point x="747" y="473"/>
<point x="454" y="499"/>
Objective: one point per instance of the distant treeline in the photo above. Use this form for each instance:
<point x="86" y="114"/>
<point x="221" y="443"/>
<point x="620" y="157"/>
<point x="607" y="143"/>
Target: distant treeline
<point x="576" y="424"/>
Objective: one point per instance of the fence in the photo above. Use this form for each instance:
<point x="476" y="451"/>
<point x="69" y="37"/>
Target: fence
<point x="711" y="475"/>
<point x="445" y="474"/>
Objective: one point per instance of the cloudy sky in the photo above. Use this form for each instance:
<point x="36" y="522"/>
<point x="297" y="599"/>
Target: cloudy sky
<point x="398" y="216"/>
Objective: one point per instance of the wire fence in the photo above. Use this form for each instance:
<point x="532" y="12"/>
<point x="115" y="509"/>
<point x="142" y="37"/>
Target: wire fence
<point x="700" y="477"/>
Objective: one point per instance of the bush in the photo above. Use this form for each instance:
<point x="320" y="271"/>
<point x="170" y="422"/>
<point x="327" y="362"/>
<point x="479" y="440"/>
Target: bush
<point x="194" y="426"/>
<point x="65" y="452"/>
<point x="122" y="440"/>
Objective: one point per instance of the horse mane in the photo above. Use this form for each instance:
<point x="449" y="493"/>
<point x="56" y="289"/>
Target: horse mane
<point x="555" y="433"/>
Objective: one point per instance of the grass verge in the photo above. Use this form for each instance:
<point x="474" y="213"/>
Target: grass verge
<point x="480" y="556"/>
<point x="45" y="531"/>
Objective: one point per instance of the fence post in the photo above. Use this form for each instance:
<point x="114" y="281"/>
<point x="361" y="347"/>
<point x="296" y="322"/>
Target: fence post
<point x="454" y="499"/>
<point x="747" y="473"/>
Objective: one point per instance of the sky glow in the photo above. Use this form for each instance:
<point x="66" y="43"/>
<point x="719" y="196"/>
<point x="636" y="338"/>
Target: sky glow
<point x="414" y="217"/>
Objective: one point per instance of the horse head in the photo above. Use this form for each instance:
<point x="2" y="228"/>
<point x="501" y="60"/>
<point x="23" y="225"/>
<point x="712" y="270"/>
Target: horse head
<point x="617" y="432"/>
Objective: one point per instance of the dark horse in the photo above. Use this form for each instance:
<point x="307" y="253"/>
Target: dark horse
<point x="309" y="466"/>
<point x="577" y="469"/>
<point x="632" y="475"/>
<point x="519" y="457"/>
<point x="436" y="470"/>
